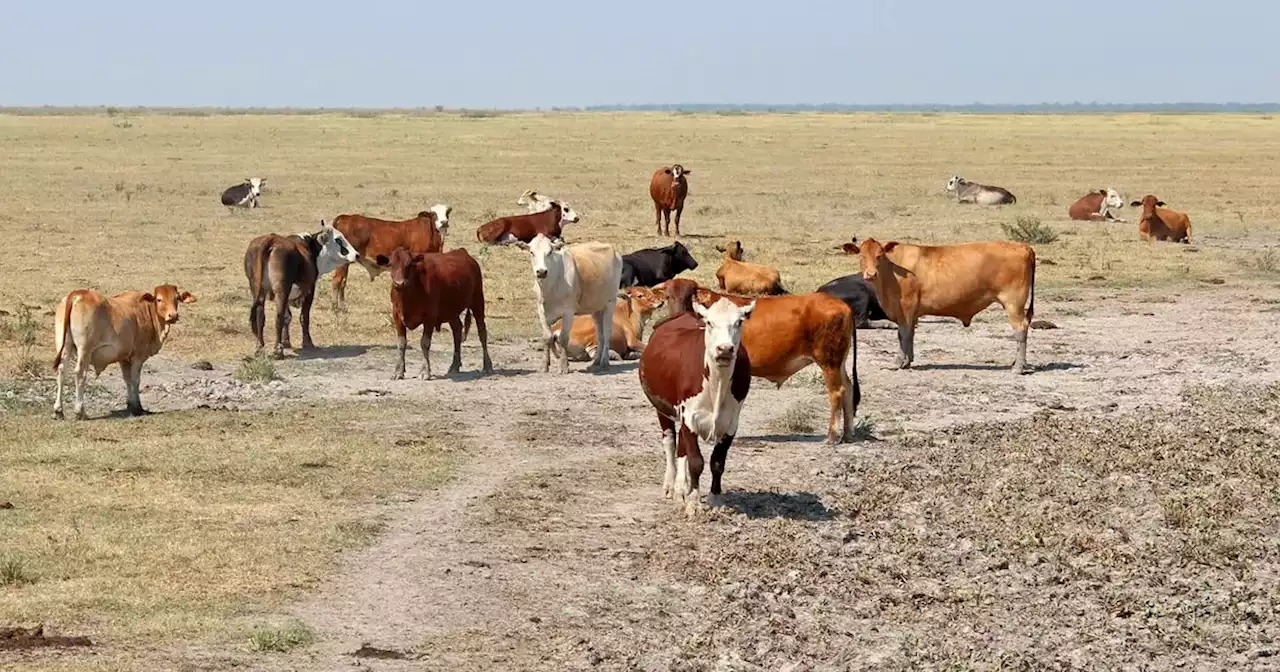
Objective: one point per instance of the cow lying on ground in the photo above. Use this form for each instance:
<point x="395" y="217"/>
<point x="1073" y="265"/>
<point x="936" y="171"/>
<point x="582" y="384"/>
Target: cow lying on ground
<point x="957" y="281"/>
<point x="646" y="268"/>
<point x="668" y="188"/>
<point x="972" y="192"/>
<point x="860" y="296"/>
<point x="697" y="374"/>
<point x="635" y="306"/>
<point x="1097" y="206"/>
<point x="534" y="201"/>
<point x="429" y="290"/>
<point x="1160" y="223"/>
<point x="523" y="228"/>
<point x="128" y="329"/>
<point x="373" y="237"/>
<point x="743" y="277"/>
<point x="571" y="280"/>
<point x="788" y="333"/>
<point x="285" y="270"/>
<point x="245" y="194"/>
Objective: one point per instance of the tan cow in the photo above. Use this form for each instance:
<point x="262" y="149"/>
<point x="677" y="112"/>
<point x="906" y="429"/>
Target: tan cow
<point x="958" y="281"/>
<point x="1160" y="223"/>
<point x="128" y="329"/>
<point x="635" y="306"/>
<point x="743" y="277"/>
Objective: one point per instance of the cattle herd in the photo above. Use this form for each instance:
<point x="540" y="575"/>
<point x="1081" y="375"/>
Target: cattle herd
<point x="592" y="303"/>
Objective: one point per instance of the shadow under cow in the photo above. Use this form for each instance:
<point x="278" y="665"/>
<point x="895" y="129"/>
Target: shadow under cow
<point x="789" y="505"/>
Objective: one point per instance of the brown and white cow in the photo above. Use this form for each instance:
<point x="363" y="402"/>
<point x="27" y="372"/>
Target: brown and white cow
<point x="697" y="374"/>
<point x="125" y="329"/>
<point x="523" y="228"/>
<point x="787" y="334"/>
<point x="1097" y="206"/>
<point x="958" y="281"/>
<point x="1161" y="223"/>
<point x="429" y="290"/>
<point x="668" y="188"/>
<point x="743" y="277"/>
<point x="285" y="269"/>
<point x="635" y="306"/>
<point x="373" y="237"/>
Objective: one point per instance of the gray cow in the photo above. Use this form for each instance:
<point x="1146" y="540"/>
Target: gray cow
<point x="972" y="192"/>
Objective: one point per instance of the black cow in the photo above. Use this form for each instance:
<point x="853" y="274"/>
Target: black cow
<point x="859" y="294"/>
<point x="646" y="268"/>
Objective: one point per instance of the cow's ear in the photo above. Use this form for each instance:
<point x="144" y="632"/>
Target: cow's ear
<point x="851" y="249"/>
<point x="149" y="297"/>
<point x="746" y="310"/>
<point x="382" y="260"/>
<point x="557" y="243"/>
<point x="699" y="309"/>
<point x="687" y="171"/>
<point x="888" y="247"/>
<point x="1160" y="203"/>
<point x="187" y="297"/>
<point x="417" y="258"/>
<point x="1135" y="204"/>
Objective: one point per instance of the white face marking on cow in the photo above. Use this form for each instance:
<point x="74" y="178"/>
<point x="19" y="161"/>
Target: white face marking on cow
<point x="722" y="330"/>
<point x="255" y="185"/>
<point x="954" y="183"/>
<point x="567" y="214"/>
<point x="542" y="253"/>
<point x="335" y="251"/>
<point x="1113" y="200"/>
<point x="677" y="171"/>
<point x="442" y="217"/>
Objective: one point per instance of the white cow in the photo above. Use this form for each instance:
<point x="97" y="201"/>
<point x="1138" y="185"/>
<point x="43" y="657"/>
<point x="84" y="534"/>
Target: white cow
<point x="535" y="201"/>
<point x="580" y="279"/>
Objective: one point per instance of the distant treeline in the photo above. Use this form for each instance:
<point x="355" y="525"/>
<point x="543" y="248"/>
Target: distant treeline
<point x="677" y="108"/>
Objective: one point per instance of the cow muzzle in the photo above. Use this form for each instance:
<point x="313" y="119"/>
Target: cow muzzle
<point x="540" y="274"/>
<point x="725" y="355"/>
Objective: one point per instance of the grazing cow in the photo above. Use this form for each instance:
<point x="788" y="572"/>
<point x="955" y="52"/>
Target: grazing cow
<point x="972" y="192"/>
<point x="1097" y="206"/>
<point x="696" y="374"/>
<point x="534" y="201"/>
<point x="859" y="294"/>
<point x="647" y="268"/>
<point x="429" y="290"/>
<point x="285" y="270"/>
<point x="245" y="194"/>
<point x="1160" y="223"/>
<point x="523" y="228"/>
<point x="579" y="279"/>
<point x="788" y="333"/>
<point x="743" y="277"/>
<point x="128" y="329"/>
<point x="373" y="237"/>
<point x="635" y="306"/>
<point x="957" y="281"/>
<point x="668" y="188"/>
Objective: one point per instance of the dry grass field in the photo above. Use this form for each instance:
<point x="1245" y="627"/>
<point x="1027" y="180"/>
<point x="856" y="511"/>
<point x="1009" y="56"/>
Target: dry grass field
<point x="1115" y="508"/>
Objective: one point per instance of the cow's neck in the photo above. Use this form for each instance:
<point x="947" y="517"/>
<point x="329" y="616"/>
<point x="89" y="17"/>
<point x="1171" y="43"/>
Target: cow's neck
<point x="159" y="328"/>
<point x="717" y="383"/>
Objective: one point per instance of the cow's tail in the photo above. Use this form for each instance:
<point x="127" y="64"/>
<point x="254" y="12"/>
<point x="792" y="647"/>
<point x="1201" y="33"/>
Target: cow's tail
<point x="62" y="326"/>
<point x="1031" y="307"/>
<point x="777" y="289"/>
<point x="466" y="325"/>
<point x="853" y="363"/>
<point x="1188" y="241"/>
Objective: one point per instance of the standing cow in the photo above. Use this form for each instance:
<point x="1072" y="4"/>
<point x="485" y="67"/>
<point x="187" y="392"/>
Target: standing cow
<point x="373" y="237"/>
<point x="580" y="279"/>
<point x="1097" y="206"/>
<point x="668" y="188"/>
<point x="245" y="194"/>
<point x="697" y="374"/>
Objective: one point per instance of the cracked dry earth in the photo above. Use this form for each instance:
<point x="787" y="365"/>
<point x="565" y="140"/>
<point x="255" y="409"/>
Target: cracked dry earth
<point x="553" y="549"/>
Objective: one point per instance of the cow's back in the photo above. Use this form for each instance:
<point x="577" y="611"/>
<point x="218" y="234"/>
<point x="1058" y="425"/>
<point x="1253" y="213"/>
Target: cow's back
<point x="955" y="280"/>
<point x="371" y="236"/>
<point x="597" y="273"/>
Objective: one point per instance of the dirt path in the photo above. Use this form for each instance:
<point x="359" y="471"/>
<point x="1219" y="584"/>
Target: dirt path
<point x="528" y="560"/>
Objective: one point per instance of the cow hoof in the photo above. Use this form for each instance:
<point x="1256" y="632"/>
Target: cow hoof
<point x="716" y="501"/>
<point x="308" y="346"/>
<point x="57" y="414"/>
<point x="692" y="506"/>
<point x="398" y="375"/>
<point x="832" y="440"/>
<point x="668" y="492"/>
<point x="137" y="411"/>
<point x="81" y="415"/>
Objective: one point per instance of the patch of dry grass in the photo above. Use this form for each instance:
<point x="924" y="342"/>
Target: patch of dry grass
<point x="183" y="525"/>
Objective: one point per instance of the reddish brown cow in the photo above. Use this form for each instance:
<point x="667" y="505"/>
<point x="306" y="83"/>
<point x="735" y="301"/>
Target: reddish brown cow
<point x="524" y="228"/>
<point x="428" y="290"/>
<point x="788" y="333"/>
<point x="697" y="374"/>
<point x="1097" y="206"/>
<point x="1160" y="223"/>
<point x="372" y="237"/>
<point x="668" y="188"/>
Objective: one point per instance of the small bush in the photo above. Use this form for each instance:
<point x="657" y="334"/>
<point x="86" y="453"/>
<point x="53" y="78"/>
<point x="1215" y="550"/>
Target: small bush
<point x="864" y="428"/>
<point x="256" y="369"/>
<point x="281" y="638"/>
<point x="797" y="419"/>
<point x="13" y="571"/>
<point x="25" y="331"/>
<point x="1266" y="261"/>
<point x="1030" y="230"/>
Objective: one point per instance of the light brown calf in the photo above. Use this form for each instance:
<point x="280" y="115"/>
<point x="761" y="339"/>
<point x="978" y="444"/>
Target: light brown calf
<point x="635" y="306"/>
<point x="743" y="277"/>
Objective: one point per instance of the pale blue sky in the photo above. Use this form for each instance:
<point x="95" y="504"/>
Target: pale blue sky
<point x="502" y="53"/>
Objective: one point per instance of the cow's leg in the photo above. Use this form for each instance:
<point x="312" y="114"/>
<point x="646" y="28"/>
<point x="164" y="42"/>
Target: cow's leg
<point x="666" y="221"/>
<point x="338" y="296"/>
<point x="657" y="217"/>
<point x="563" y="341"/>
<point x="668" y="451"/>
<point x="456" y="326"/>
<point x="282" y="323"/>
<point x="689" y="465"/>
<point x="839" y="399"/>
<point x="906" y="344"/>
<point x="133" y="377"/>
<point x="679" y="210"/>
<point x="425" y="344"/>
<point x="57" y="400"/>
<point x="307" y="298"/>
<point x="600" y="354"/>
<point x="719" y="455"/>
<point x="549" y="337"/>
<point x="1016" y="311"/>
<point x="81" y="373"/>
<point x="477" y="314"/>
<point x="402" y="342"/>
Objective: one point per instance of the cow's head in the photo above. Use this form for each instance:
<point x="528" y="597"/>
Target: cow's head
<point x="722" y="330"/>
<point x="1148" y="204"/>
<point x="401" y="263"/>
<point x="870" y="253"/>
<point x="681" y="259"/>
<point x="567" y="214"/>
<point x="438" y="214"/>
<point x="166" y="299"/>
<point x="255" y="185"/>
<point x="954" y="183"/>
<point x="678" y="172"/>
<point x="1112" y="199"/>
<point x="644" y="301"/>
<point x="732" y="250"/>
<point x="331" y="249"/>
<point x="544" y="257"/>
